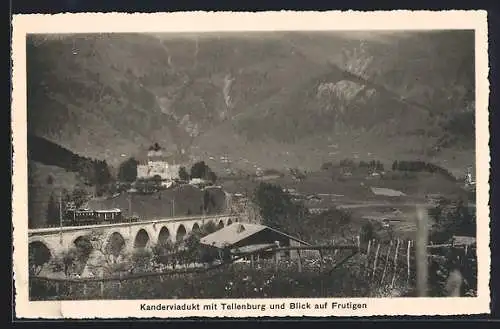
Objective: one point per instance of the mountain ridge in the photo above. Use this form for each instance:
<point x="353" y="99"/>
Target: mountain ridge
<point x="107" y="95"/>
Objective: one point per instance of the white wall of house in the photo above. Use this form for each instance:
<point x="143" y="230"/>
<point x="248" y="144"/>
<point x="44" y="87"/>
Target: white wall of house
<point x="160" y="168"/>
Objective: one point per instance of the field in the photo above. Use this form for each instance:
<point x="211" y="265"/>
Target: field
<point x="323" y="190"/>
<point x="178" y="201"/>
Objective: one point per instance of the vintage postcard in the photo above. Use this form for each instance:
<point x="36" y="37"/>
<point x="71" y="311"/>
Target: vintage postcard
<point x="250" y="164"/>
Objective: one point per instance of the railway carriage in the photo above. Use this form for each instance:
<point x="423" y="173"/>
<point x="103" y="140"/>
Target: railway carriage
<point x="89" y="217"/>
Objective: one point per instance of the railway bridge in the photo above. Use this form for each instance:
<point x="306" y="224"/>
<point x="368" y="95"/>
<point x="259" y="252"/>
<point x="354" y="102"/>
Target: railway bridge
<point x="132" y="235"/>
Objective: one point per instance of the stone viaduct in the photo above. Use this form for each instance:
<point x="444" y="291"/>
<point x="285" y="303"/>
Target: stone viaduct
<point x="142" y="234"/>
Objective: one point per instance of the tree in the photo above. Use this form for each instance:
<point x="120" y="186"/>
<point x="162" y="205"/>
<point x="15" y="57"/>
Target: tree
<point x="37" y="258"/>
<point x="142" y="260"/>
<point x="71" y="259"/>
<point x="102" y="173"/>
<point x="208" y="201"/>
<point x="50" y="179"/>
<point x="127" y="171"/>
<point x="52" y="214"/>
<point x="451" y="217"/>
<point x="198" y="170"/>
<point x="367" y="232"/>
<point x="208" y="228"/>
<point x="201" y="170"/>
<point x="192" y="247"/>
<point x="211" y="176"/>
<point x="278" y="210"/>
<point x="79" y="197"/>
<point x="296" y="173"/>
<point x="166" y="253"/>
<point x="155" y="147"/>
<point x="183" y="174"/>
<point x="156" y="180"/>
<point x="108" y="258"/>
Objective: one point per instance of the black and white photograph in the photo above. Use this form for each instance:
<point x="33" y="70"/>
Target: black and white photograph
<point x="246" y="166"/>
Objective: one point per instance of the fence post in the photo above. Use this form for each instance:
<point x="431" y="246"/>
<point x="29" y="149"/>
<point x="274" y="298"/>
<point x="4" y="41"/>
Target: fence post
<point x="276" y="261"/>
<point x="335" y="251"/>
<point x="358" y="243"/>
<point x="299" y="261"/>
<point x="367" y="256"/>
<point x="375" y="261"/>
<point x="395" y="264"/>
<point x="408" y="262"/>
<point x="84" y="289"/>
<point x="320" y="261"/>
<point x="57" y="289"/>
<point x="386" y="261"/>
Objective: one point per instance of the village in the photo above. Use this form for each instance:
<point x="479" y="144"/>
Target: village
<point x="158" y="196"/>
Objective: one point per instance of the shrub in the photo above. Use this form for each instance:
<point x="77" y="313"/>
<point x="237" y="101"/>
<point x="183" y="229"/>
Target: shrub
<point x="451" y="217"/>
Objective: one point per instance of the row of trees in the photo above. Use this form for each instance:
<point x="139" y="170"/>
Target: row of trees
<point x="421" y="166"/>
<point x="351" y="164"/>
<point x="94" y="172"/>
<point x="127" y="171"/>
<point x="397" y="165"/>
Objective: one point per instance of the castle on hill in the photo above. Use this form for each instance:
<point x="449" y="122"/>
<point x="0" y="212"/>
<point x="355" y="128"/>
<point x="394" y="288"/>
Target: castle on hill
<point x="158" y="164"/>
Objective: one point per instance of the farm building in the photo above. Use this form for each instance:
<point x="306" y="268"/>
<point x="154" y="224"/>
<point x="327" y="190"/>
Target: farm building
<point x="246" y="237"/>
<point x="463" y="240"/>
<point x="380" y="191"/>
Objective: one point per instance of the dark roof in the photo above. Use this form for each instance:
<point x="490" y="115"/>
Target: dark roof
<point x="155" y="147"/>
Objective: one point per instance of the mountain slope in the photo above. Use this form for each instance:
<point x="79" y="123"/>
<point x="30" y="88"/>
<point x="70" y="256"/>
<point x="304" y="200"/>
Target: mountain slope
<point x="257" y="96"/>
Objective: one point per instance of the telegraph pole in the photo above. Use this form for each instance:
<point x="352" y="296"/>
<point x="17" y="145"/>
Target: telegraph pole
<point x="129" y="206"/>
<point x="173" y="206"/>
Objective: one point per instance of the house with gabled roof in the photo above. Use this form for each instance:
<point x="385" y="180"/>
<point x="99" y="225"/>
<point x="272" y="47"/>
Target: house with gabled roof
<point x="242" y="238"/>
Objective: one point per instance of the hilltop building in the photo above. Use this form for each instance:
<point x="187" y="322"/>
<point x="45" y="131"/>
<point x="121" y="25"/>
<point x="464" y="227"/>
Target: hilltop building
<point x="157" y="164"/>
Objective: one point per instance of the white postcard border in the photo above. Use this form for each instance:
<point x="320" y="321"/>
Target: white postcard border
<point x="263" y="21"/>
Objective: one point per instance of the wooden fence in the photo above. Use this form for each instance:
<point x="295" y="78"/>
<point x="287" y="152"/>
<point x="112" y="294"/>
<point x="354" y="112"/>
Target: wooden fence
<point x="384" y="264"/>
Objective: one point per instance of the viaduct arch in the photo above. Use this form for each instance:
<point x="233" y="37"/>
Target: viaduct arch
<point x="44" y="244"/>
